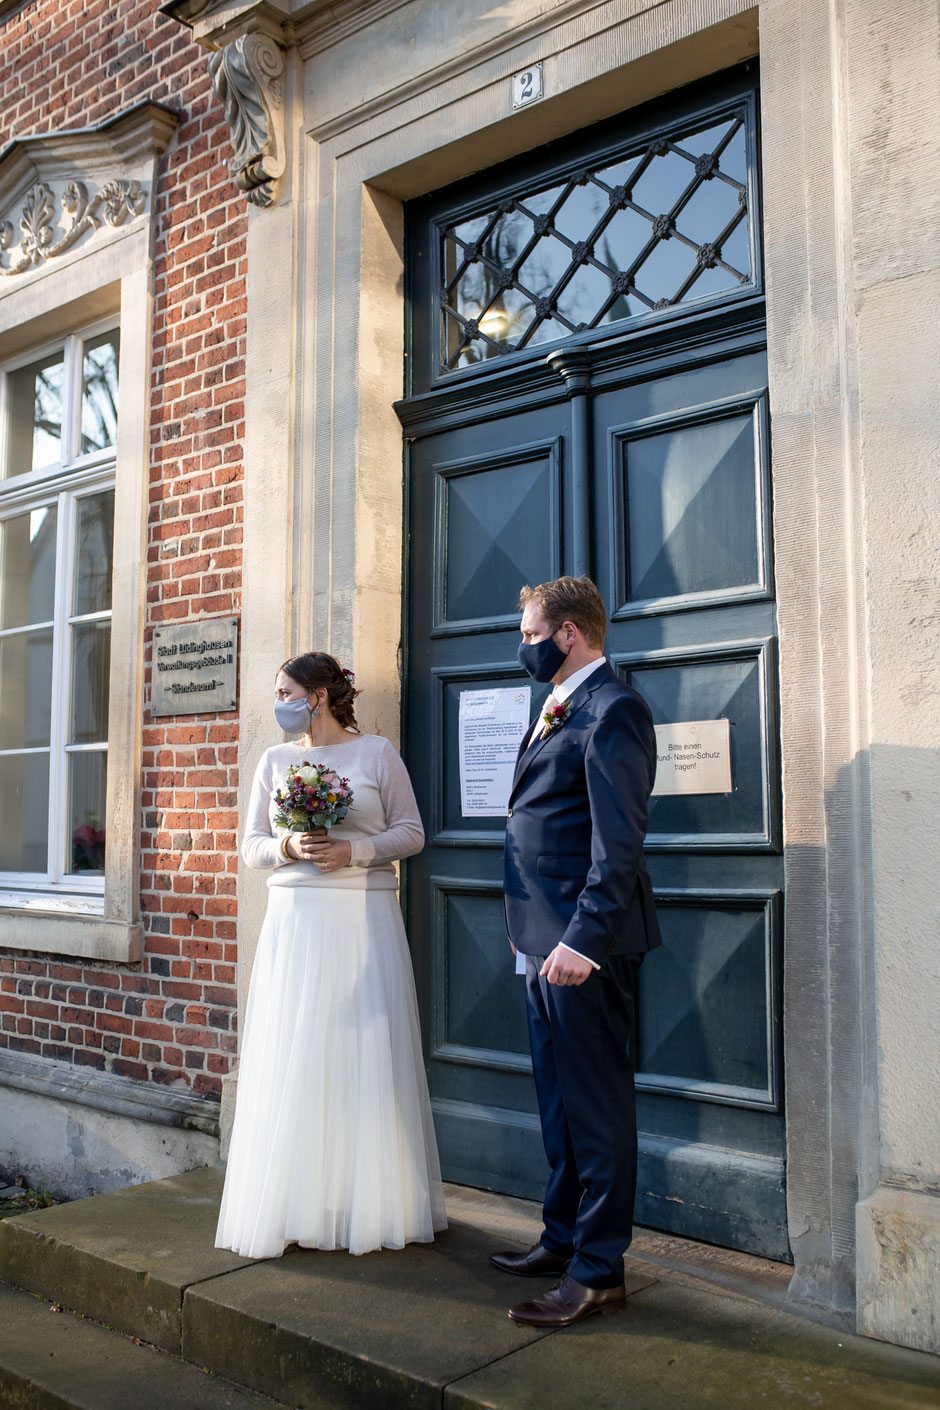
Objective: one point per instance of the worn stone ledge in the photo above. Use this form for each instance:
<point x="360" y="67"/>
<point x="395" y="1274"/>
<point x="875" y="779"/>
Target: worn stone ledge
<point x="49" y="1363"/>
<point x="119" y="1096"/>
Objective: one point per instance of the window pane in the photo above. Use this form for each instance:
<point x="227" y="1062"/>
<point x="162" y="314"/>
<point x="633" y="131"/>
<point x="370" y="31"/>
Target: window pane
<point x="91" y="659"/>
<point x="24" y="788"/>
<point x="88" y="775"/>
<point x="27" y="568"/>
<point x="25" y="690"/>
<point x="36" y="395"/>
<point x="100" y="392"/>
<point x="94" y="538"/>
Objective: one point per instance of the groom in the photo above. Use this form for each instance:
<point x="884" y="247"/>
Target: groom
<point x="579" y="906"/>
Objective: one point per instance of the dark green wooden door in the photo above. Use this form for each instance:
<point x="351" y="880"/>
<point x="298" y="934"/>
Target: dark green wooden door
<point x="588" y="394"/>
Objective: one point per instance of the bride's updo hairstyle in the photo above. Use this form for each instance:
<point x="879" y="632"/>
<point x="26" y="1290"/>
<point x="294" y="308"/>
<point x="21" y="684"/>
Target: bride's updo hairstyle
<point x="317" y="670"/>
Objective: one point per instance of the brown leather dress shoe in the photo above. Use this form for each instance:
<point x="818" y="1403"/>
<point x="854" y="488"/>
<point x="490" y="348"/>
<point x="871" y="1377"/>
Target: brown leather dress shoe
<point x="568" y="1303"/>
<point x="537" y="1262"/>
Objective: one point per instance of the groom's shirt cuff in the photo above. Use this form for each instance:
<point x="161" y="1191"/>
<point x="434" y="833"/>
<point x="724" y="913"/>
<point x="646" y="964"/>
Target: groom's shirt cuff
<point x="592" y="963"/>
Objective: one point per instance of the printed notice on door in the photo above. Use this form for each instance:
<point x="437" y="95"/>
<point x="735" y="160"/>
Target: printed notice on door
<point x="492" y="723"/>
<point x="694" y="757"/>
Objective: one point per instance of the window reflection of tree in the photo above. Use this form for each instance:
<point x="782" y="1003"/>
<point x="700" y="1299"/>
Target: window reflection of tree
<point x="94" y="551"/>
<point x="99" y="399"/>
<point x="47" y="414"/>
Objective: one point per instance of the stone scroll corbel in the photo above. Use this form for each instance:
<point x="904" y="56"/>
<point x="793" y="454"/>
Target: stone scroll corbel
<point x="247" y="74"/>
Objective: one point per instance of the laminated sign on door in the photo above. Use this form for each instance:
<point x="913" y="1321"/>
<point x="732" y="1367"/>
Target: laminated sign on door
<point x="693" y="757"/>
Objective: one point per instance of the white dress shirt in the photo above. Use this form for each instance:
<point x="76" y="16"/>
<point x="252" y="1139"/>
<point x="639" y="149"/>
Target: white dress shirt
<point x="558" y="697"/>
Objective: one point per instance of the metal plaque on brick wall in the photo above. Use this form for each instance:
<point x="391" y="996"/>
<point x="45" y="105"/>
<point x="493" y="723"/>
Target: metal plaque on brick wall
<point x="195" y="667"/>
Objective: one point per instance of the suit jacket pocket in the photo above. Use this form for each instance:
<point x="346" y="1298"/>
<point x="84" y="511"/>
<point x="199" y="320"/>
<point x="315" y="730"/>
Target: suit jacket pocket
<point x="564" y="866"/>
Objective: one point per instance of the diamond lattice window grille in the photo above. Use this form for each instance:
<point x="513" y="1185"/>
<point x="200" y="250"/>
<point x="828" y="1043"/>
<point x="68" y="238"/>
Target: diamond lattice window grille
<point x="612" y="241"/>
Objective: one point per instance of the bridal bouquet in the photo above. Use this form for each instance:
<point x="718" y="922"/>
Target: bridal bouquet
<point x="314" y="797"/>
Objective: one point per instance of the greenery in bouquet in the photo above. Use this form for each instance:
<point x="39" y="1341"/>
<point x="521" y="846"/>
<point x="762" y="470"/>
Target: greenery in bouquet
<point x="314" y="797"/>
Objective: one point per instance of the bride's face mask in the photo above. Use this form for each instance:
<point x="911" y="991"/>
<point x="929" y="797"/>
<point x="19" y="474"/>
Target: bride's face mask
<point x="294" y="713"/>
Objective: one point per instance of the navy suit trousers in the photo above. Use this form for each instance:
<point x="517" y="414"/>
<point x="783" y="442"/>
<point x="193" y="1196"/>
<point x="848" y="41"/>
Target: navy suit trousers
<point x="581" y="1041"/>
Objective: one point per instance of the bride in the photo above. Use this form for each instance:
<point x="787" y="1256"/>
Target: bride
<point x="332" y="1145"/>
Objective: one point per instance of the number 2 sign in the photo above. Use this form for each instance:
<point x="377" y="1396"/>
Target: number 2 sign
<point x="527" y="86"/>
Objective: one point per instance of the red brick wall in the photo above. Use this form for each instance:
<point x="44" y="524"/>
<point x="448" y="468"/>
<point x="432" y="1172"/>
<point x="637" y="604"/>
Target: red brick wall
<point x="66" y="64"/>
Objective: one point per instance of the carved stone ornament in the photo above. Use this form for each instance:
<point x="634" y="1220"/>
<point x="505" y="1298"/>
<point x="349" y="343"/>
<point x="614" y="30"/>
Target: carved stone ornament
<point x="246" y="75"/>
<point x="115" y="202"/>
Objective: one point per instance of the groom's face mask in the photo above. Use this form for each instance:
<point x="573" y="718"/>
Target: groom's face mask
<point x="541" y="659"/>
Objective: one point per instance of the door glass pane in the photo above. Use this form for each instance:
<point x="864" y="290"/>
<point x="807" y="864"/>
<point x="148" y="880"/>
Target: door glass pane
<point x="27" y="568"/>
<point x="35" y="400"/>
<point x="91" y="659"/>
<point x="24" y="788"/>
<point x="661" y="224"/>
<point x="94" y="542"/>
<point x="88" y="776"/>
<point x="100" y="392"/>
<point x="25" y="690"/>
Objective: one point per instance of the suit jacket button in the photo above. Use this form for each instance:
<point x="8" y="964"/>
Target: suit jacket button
<point x="509" y="814"/>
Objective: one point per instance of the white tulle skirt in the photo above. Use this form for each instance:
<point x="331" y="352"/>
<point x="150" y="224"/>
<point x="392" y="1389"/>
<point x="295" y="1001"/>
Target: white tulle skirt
<point x="333" y="1144"/>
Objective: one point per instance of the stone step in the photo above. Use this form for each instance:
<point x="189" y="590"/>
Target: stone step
<point x="59" y="1361"/>
<point x="426" y="1326"/>
<point x="123" y="1258"/>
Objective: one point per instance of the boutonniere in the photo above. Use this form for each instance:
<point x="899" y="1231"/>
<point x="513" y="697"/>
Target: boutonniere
<point x="554" y="718"/>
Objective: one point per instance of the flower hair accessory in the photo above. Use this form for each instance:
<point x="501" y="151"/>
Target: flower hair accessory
<point x="555" y="716"/>
<point x="350" y="675"/>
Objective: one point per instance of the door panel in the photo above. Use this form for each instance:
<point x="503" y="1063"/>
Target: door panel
<point x="481" y="559"/>
<point x="683" y="550"/>
<point x="487" y="515"/>
<point x="643" y="457"/>
<point x="732" y="681"/>
<point x="693" y="1036"/>
<point x="686" y="497"/>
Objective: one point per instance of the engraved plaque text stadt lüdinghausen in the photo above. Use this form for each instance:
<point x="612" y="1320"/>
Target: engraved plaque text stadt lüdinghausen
<point x="195" y="667"/>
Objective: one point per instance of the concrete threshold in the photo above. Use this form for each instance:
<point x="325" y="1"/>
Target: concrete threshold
<point x="426" y="1326"/>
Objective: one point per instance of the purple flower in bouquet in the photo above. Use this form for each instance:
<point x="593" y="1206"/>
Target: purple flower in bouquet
<point x="314" y="797"/>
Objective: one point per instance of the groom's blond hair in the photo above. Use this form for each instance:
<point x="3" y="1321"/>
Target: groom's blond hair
<point x="570" y="600"/>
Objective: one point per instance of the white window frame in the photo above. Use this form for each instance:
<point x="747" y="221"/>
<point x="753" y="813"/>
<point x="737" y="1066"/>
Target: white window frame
<point x="57" y="913"/>
<point x="63" y="484"/>
<point x="104" y="279"/>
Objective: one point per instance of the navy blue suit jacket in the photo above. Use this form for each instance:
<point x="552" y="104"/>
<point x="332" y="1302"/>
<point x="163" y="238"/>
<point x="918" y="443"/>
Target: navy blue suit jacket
<point x="574" y="866"/>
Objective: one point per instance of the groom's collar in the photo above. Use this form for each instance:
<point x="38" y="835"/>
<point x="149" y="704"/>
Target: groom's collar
<point x="569" y="686"/>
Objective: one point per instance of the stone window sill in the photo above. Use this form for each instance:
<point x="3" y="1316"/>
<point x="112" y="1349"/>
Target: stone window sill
<point x="76" y="934"/>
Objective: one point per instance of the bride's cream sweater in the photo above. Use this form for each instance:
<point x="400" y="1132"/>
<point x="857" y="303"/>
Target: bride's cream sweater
<point x="382" y="825"/>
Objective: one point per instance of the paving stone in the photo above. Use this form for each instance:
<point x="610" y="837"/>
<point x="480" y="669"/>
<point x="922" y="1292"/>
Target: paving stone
<point x="123" y="1258"/>
<point x="59" y="1361"/>
<point x="682" y="1348"/>
<point x="388" y="1329"/>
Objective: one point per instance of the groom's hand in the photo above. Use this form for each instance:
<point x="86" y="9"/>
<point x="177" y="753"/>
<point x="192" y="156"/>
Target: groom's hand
<point x="565" y="967"/>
